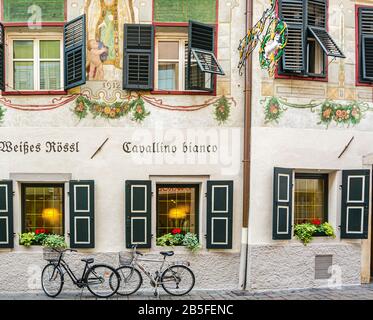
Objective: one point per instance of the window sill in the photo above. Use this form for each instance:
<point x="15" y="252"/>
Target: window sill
<point x="189" y="93"/>
<point x="33" y="93"/>
<point x="302" y="78"/>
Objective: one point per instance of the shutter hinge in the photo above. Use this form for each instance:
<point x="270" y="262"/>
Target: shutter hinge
<point x="13" y="193"/>
<point x="68" y="234"/>
<point x="206" y="236"/>
<point x="205" y="194"/>
<point x="152" y="193"/>
<point x="340" y="187"/>
<point x="68" y="193"/>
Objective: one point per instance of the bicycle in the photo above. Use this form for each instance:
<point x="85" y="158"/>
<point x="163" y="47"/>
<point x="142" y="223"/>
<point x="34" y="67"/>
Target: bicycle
<point x="176" y="279"/>
<point x="101" y="280"/>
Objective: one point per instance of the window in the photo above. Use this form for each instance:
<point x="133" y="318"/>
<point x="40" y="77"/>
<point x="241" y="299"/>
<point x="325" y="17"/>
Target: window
<point x="170" y="66"/>
<point x="43" y="208"/>
<point x="309" y="43"/>
<point x="311" y="198"/>
<point x="184" y="58"/>
<point x="36" y="62"/>
<point x="177" y="208"/>
<point x="365" y="44"/>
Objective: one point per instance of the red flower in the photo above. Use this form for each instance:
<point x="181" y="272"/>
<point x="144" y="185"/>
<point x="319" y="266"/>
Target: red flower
<point x="40" y="231"/>
<point x="316" y="222"/>
<point x="176" y="231"/>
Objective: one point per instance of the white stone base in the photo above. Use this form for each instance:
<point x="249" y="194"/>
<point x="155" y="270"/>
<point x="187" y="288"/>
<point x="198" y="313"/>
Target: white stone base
<point x="292" y="266"/>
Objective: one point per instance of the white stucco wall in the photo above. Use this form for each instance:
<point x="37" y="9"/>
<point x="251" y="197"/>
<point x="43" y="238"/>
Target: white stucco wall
<point x="299" y="142"/>
<point x="112" y="166"/>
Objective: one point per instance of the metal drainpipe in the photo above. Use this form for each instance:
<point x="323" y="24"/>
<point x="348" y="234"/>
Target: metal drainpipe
<point x="247" y="157"/>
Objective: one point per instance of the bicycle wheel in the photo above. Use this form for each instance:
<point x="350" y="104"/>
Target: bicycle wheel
<point x="102" y="281"/>
<point x="178" y="280"/>
<point x="130" y="280"/>
<point x="51" y="280"/>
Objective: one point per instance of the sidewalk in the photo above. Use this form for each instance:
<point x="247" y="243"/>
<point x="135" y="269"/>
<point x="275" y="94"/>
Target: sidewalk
<point x="364" y="292"/>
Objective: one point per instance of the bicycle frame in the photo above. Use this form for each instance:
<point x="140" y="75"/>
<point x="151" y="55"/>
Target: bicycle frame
<point x="154" y="280"/>
<point x="78" y="282"/>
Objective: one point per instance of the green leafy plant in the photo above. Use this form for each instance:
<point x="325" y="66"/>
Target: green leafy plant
<point x="305" y="231"/>
<point x="2" y="113"/>
<point x="177" y="238"/>
<point x="27" y="239"/>
<point x="139" y="111"/>
<point x="54" y="241"/>
<point x="191" y="242"/>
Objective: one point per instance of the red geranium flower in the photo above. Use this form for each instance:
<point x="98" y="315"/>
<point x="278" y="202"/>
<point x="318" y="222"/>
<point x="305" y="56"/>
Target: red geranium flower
<point x="316" y="222"/>
<point x="176" y="231"/>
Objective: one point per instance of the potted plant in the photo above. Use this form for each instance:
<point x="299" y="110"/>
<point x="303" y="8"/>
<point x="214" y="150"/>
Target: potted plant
<point x="51" y="243"/>
<point x="306" y="231"/>
<point x="177" y="238"/>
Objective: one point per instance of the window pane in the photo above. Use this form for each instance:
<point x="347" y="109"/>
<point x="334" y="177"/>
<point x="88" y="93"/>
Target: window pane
<point x="176" y="209"/>
<point x="310" y="200"/>
<point x="50" y="75"/>
<point x="50" y="49"/>
<point x="23" y="49"/>
<point x="168" y="76"/>
<point x="23" y="75"/>
<point x="168" y="50"/>
<point x="43" y="209"/>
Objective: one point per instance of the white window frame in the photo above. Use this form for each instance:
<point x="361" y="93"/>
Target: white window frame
<point x="182" y="38"/>
<point x="36" y="38"/>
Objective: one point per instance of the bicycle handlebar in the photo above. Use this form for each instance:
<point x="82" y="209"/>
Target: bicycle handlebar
<point x="65" y="250"/>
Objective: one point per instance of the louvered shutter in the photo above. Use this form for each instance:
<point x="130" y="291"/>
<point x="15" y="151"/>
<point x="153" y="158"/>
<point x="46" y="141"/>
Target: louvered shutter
<point x="82" y="214"/>
<point x="366" y="44"/>
<point x="138" y="62"/>
<point x="316" y="20"/>
<point x="138" y="213"/>
<point x="355" y="204"/>
<point x="75" y="52"/>
<point x="202" y="63"/>
<point x="292" y="12"/>
<point x="219" y="214"/>
<point x="282" y="204"/>
<point x="2" y="58"/>
<point x="6" y="214"/>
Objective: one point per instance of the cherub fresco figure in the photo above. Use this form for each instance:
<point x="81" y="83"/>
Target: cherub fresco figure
<point x="97" y="54"/>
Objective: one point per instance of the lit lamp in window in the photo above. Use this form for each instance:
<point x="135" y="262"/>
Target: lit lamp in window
<point x="51" y="215"/>
<point x="180" y="212"/>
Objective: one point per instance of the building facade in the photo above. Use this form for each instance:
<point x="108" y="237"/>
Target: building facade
<point x="312" y="158"/>
<point x="121" y="122"/>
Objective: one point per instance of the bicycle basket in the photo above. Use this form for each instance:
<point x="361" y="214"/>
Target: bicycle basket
<point x="125" y="258"/>
<point x="50" y="254"/>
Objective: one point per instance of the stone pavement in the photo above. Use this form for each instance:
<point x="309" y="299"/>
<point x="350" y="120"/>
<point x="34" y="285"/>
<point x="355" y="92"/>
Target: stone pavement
<point x="364" y="292"/>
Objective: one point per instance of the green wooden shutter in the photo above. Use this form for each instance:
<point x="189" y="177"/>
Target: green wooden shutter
<point x="6" y="214"/>
<point x="365" y="44"/>
<point x="293" y="13"/>
<point x="82" y="214"/>
<point x="355" y="204"/>
<point x="219" y="214"/>
<point x="138" y="64"/>
<point x="138" y="213"/>
<point x="202" y="63"/>
<point x="75" y="52"/>
<point x="2" y="58"/>
<point x="282" y="204"/>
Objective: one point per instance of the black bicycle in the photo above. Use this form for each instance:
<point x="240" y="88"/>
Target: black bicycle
<point x="101" y="280"/>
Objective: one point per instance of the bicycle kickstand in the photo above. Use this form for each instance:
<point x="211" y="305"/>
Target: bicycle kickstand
<point x="156" y="292"/>
<point x="81" y="293"/>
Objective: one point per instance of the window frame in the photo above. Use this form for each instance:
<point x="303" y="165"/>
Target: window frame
<point x="321" y="176"/>
<point x="197" y="203"/>
<point x="174" y="37"/>
<point x="324" y="77"/>
<point x="42" y="185"/>
<point x="36" y="38"/>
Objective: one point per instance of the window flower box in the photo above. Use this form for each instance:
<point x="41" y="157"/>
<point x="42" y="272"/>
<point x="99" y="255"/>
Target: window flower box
<point x="177" y="238"/>
<point x="306" y="231"/>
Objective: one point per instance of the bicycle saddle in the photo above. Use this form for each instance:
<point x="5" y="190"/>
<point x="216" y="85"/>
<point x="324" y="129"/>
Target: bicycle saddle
<point x="88" y="260"/>
<point x="167" y="253"/>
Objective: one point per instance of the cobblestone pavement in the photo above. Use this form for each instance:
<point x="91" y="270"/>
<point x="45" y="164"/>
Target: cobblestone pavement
<point x="364" y="292"/>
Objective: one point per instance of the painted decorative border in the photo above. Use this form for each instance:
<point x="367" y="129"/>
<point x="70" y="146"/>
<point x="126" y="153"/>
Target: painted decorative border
<point x="348" y="113"/>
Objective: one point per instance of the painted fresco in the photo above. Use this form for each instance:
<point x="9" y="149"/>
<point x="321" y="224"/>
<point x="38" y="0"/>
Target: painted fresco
<point x="105" y="33"/>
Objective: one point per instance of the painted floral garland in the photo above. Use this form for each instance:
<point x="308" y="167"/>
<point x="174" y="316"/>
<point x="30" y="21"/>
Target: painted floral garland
<point x="112" y="111"/>
<point x="222" y="110"/>
<point x="2" y="113"/>
<point x="350" y="113"/>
